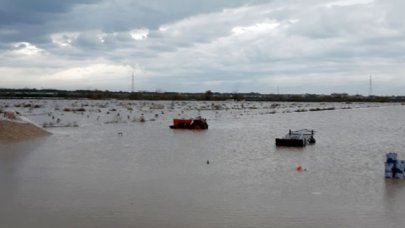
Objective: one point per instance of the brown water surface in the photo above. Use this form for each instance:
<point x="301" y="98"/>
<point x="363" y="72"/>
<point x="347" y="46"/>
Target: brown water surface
<point x="153" y="176"/>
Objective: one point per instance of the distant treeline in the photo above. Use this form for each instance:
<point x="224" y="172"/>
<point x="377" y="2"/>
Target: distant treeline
<point x="208" y="95"/>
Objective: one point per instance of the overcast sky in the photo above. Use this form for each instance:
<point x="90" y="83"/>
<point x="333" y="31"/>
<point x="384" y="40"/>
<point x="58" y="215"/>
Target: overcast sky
<point x="285" y="46"/>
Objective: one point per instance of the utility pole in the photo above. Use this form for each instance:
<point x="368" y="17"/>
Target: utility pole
<point x="132" y="85"/>
<point x="370" y="89"/>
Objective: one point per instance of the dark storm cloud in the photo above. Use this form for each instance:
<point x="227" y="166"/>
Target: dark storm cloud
<point x="150" y="13"/>
<point x="20" y="12"/>
<point x="28" y="20"/>
<point x="34" y="20"/>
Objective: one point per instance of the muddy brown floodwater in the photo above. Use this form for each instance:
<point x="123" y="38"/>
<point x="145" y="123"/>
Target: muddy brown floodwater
<point x="152" y="176"/>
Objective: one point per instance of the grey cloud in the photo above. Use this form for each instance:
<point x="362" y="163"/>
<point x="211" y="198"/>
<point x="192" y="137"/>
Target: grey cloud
<point x="191" y="42"/>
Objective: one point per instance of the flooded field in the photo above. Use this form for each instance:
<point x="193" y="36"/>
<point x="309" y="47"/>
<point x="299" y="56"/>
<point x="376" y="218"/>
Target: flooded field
<point x="88" y="174"/>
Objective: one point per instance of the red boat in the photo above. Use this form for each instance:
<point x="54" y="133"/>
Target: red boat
<point x="197" y="123"/>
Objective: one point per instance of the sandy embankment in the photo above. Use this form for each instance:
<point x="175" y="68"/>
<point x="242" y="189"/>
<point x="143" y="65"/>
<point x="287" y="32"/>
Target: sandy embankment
<point x="16" y="131"/>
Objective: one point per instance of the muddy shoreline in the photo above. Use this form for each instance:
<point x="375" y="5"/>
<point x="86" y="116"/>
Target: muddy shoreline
<point x="15" y="131"/>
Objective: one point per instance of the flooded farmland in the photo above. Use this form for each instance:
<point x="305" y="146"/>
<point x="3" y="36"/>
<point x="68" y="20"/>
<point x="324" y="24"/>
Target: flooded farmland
<point x="117" y="164"/>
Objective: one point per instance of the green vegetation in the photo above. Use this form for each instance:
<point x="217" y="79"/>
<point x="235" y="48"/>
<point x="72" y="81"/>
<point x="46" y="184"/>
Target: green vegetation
<point x="208" y="95"/>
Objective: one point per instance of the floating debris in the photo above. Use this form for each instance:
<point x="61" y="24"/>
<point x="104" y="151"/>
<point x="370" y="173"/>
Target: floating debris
<point x="298" y="138"/>
<point x="197" y="123"/>
<point x="299" y="168"/>
<point x="51" y="125"/>
<point x="394" y="168"/>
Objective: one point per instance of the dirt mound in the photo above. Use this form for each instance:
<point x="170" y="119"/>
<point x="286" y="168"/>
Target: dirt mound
<point x="16" y="131"/>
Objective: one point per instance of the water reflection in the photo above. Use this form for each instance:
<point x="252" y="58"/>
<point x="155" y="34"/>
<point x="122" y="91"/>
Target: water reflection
<point x="13" y="158"/>
<point x="394" y="198"/>
<point x="17" y="151"/>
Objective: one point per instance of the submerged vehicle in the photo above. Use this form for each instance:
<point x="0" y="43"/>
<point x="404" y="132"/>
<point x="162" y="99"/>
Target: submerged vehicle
<point x="197" y="123"/>
<point x="298" y="138"/>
